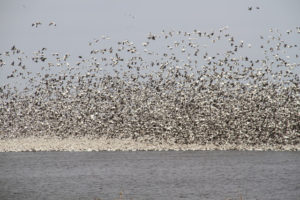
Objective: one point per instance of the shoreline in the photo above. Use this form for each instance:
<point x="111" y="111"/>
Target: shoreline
<point x="78" y="144"/>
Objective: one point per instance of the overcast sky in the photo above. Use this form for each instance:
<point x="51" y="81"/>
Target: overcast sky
<point x="80" y="21"/>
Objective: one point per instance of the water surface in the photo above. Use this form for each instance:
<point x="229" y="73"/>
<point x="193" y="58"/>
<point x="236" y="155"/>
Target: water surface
<point x="150" y="175"/>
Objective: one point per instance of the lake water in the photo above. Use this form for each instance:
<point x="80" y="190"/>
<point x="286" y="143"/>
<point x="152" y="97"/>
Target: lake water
<point x="150" y="175"/>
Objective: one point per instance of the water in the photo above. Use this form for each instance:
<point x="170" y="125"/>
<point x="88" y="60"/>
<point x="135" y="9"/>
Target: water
<point x="150" y="175"/>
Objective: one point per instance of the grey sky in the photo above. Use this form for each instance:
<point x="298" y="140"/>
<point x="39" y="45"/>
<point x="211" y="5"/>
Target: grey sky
<point x="82" y="21"/>
<point x="79" y="22"/>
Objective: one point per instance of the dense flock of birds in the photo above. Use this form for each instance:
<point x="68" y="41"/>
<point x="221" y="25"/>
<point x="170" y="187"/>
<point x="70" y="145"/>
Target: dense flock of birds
<point x="185" y="87"/>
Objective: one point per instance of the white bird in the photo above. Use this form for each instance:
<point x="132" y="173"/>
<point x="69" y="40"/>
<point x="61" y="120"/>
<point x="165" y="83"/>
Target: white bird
<point x="36" y="24"/>
<point x="52" y="23"/>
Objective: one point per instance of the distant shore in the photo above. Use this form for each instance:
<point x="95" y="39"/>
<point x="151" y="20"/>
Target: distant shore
<point x="104" y="144"/>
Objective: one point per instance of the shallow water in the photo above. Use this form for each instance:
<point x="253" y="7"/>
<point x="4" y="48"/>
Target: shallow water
<point x="150" y="175"/>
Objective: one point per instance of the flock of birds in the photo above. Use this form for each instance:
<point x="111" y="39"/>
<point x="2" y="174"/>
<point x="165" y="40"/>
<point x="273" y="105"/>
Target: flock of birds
<point x="174" y="87"/>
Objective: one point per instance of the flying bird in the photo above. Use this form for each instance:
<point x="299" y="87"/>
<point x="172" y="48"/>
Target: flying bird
<point x="52" y="24"/>
<point x="36" y="24"/>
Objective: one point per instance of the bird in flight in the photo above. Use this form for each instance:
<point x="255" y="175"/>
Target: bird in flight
<point x="52" y="24"/>
<point x="36" y="24"/>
